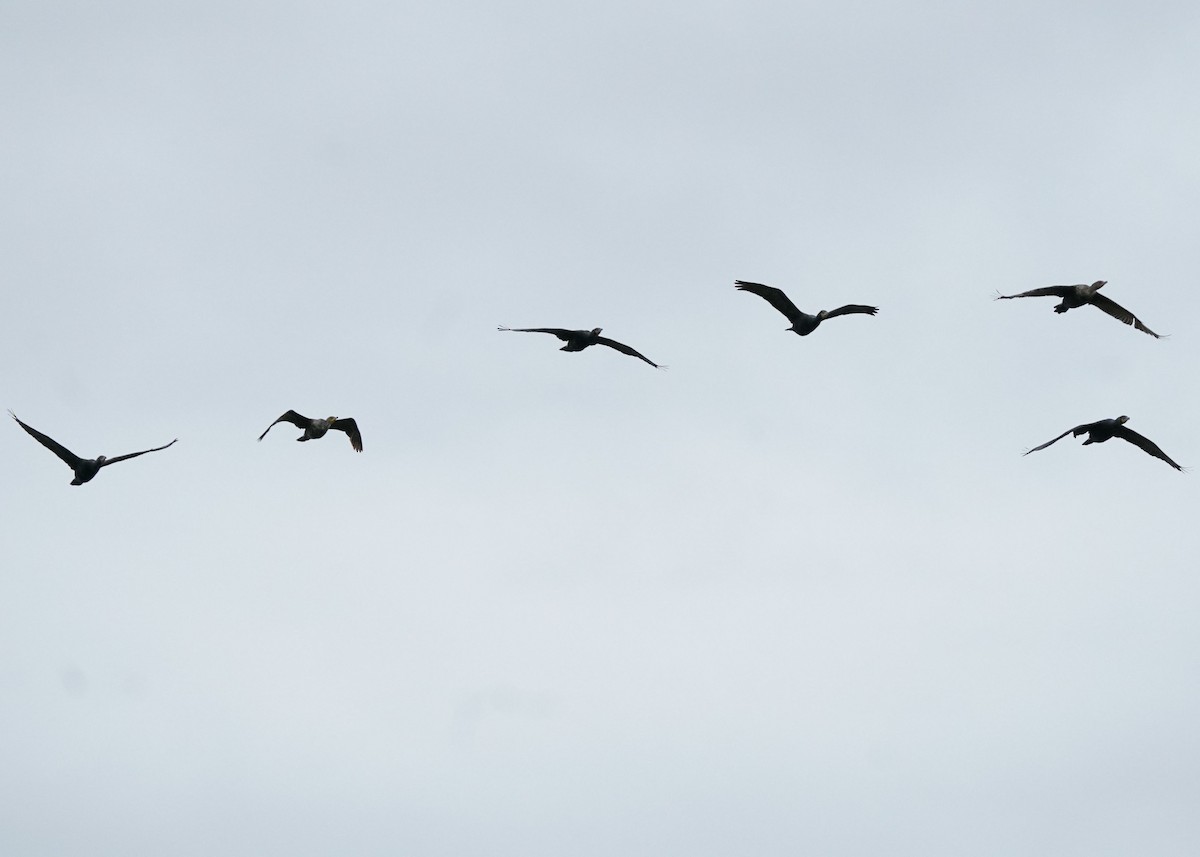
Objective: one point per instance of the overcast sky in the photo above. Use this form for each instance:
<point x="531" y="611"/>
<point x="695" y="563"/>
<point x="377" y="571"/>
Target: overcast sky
<point x="789" y="596"/>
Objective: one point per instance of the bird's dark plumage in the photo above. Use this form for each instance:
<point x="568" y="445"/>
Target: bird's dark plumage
<point x="1081" y="295"/>
<point x="577" y="340"/>
<point x="314" y="429"/>
<point x="85" y="468"/>
<point x="802" y="322"/>
<point x="1099" y="432"/>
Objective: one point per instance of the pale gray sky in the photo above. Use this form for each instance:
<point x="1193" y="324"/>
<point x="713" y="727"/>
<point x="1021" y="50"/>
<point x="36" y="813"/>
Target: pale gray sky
<point x="791" y="596"/>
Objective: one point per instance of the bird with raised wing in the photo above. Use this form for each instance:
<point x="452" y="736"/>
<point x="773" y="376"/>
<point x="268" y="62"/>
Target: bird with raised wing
<point x="802" y="322"/>
<point x="1082" y="294"/>
<point x="85" y="468"/>
<point x="1099" y="432"/>
<point x="577" y="340"/>
<point x="314" y="429"/>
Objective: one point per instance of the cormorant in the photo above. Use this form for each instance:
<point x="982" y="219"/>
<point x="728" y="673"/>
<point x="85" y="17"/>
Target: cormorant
<point x="314" y="429"/>
<point x="577" y="340"/>
<point x="1103" y="430"/>
<point x="85" y="468"/>
<point x="802" y="322"/>
<point x="1080" y="295"/>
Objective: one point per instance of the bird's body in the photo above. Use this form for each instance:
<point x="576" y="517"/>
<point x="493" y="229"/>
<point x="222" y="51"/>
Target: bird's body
<point x="314" y="429"/>
<point x="85" y="469"/>
<point x="1082" y="294"/>
<point x="577" y="340"/>
<point x="802" y="322"/>
<point x="1104" y="430"/>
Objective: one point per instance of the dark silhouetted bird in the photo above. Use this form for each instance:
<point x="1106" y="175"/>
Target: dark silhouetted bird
<point x="1081" y="295"/>
<point x="802" y="322"/>
<point x="577" y="340"/>
<point x="1103" y="430"/>
<point x="85" y="468"/>
<point x="314" y="429"/>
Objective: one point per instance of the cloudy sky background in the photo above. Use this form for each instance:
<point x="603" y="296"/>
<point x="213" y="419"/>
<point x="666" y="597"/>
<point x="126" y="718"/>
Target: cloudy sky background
<point x="790" y="596"/>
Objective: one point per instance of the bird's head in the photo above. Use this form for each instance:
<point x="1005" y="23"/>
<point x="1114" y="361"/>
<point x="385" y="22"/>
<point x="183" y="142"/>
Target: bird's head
<point x="1121" y="420"/>
<point x="596" y="331"/>
<point x="100" y="459"/>
<point x="1099" y="284"/>
<point x="333" y="419"/>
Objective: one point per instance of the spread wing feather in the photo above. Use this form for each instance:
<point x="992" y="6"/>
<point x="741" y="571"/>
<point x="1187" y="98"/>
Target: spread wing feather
<point x="562" y="334"/>
<point x="114" y="460"/>
<point x="71" y="459"/>
<point x="775" y="297"/>
<point x="350" y="427"/>
<point x="1056" y="440"/>
<point x="1121" y="314"/>
<point x="852" y="308"/>
<point x="290" y="417"/>
<point x="625" y="349"/>
<point x="1056" y="291"/>
<point x="1145" y="444"/>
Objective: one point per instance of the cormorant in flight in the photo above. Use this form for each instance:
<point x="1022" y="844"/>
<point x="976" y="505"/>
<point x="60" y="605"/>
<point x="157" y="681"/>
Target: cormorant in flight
<point x="85" y="468"/>
<point x="1081" y="295"/>
<point x="802" y="322"/>
<point x="1103" y="430"/>
<point x="577" y="340"/>
<point x="314" y="429"/>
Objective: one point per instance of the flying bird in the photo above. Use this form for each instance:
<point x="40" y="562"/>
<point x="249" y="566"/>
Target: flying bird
<point x="1103" y="430"/>
<point x="802" y="322"/>
<point x="577" y="340"/>
<point x="314" y="429"/>
<point x="85" y="468"/>
<point x="1081" y="295"/>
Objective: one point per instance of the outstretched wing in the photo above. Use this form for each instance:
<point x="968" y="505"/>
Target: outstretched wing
<point x="849" y="309"/>
<point x="1145" y="444"/>
<point x="350" y="427"/>
<point x="109" y="461"/>
<point x="1121" y="314"/>
<point x="1045" y="291"/>
<point x="775" y="297"/>
<point x="72" y="460"/>
<point x="625" y="349"/>
<point x="1056" y="440"/>
<point x="290" y="417"/>
<point x="564" y="335"/>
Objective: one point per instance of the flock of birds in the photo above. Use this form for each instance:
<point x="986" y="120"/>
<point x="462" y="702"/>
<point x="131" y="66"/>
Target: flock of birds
<point x="802" y="323"/>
